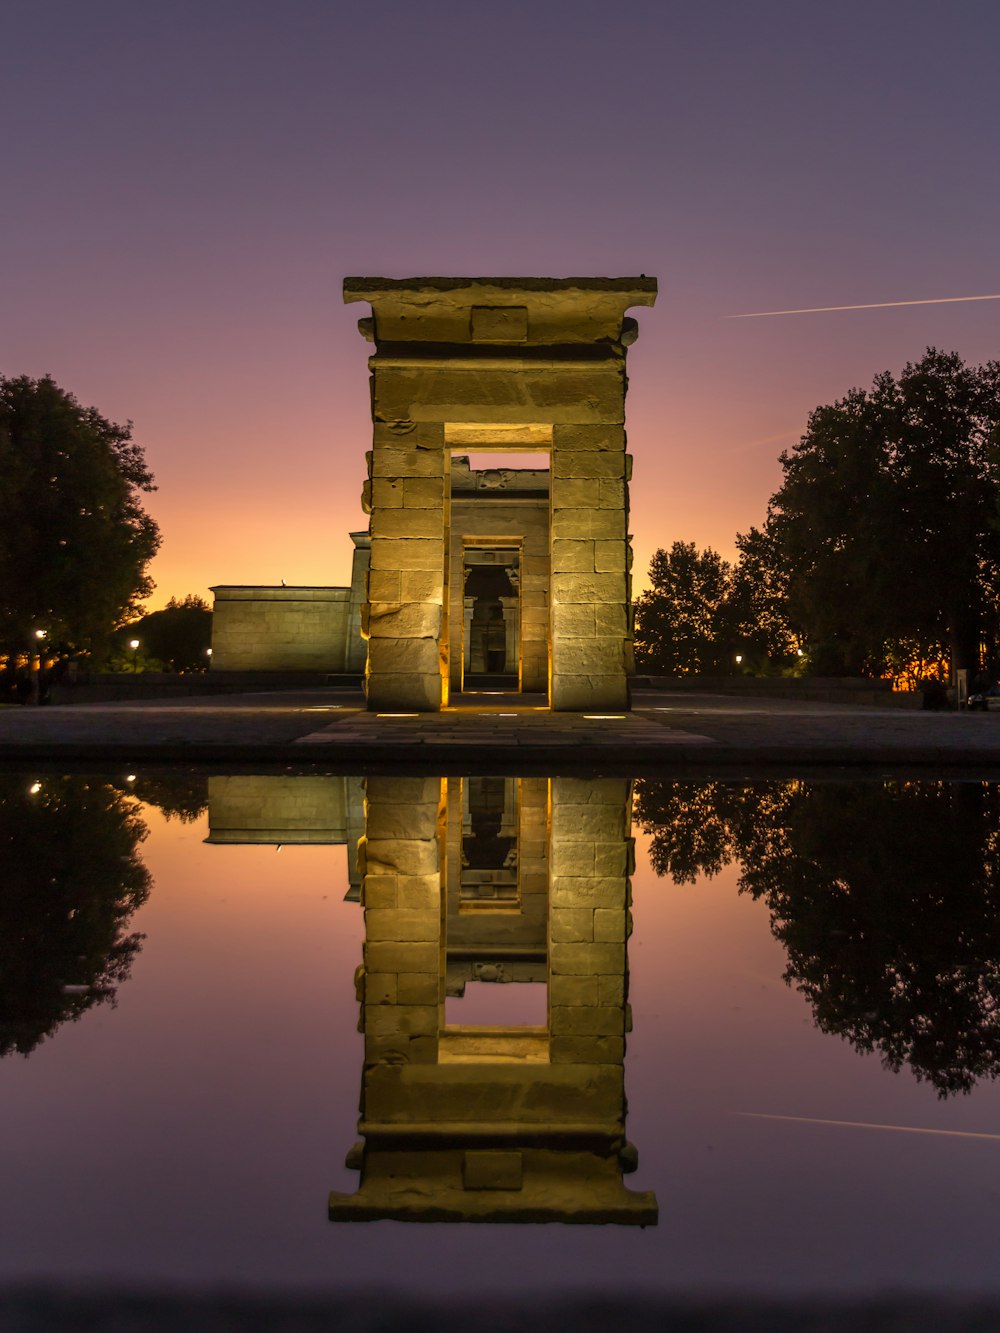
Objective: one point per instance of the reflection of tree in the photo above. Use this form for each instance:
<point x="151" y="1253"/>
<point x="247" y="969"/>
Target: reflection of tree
<point x="178" y="795"/>
<point x="885" y="895"/>
<point x="72" y="879"/>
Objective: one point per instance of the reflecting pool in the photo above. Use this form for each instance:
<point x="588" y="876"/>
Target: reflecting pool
<point x="264" y="1030"/>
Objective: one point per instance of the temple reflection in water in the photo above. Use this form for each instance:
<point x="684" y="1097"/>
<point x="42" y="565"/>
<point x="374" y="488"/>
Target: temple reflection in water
<point x="493" y="988"/>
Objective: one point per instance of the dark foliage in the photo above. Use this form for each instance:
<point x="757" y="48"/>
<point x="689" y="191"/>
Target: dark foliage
<point x="72" y="880"/>
<point x="176" y="637"/>
<point x="886" y="896"/>
<point x="884" y="528"/>
<point x="74" y="538"/>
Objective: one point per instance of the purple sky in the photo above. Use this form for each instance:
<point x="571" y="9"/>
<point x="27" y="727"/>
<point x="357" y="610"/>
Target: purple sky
<point x="185" y="186"/>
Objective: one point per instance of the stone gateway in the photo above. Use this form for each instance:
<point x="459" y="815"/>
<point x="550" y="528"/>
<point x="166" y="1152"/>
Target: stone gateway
<point x="495" y="574"/>
<point x="476" y="579"/>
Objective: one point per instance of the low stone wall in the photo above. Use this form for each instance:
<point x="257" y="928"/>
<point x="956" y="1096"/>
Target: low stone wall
<point x="111" y="686"/>
<point x="281" y="629"/>
<point x="806" y="689"/>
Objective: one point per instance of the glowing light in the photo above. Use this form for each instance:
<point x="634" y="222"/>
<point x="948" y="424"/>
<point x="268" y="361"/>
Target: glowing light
<point x="133" y="644"/>
<point x="130" y="777"/>
<point x="873" y="305"/>
<point x="35" y="788"/>
<point x="40" y="633"/>
<point x="397" y="714"/>
<point x="739" y="658"/>
<point x="605" y="717"/>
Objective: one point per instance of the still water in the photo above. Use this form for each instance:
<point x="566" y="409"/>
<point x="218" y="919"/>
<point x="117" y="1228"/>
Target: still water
<point x="806" y="1032"/>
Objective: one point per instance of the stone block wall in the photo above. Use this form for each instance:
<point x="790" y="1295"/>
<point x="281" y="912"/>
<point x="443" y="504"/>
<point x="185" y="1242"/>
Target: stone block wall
<point x="522" y="933"/>
<point x="590" y="861"/>
<point x="401" y="980"/>
<point x="263" y="808"/>
<point x="405" y="620"/>
<point x="590" y="585"/>
<point x="492" y="1137"/>
<point x="529" y="359"/>
<point x="280" y="629"/>
<point x="475" y="522"/>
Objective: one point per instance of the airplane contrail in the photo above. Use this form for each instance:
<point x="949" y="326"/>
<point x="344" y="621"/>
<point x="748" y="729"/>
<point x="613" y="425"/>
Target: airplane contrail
<point x="862" y="1124"/>
<point x="874" y="305"/>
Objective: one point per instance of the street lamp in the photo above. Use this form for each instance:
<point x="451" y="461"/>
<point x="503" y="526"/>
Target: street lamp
<point x="739" y="658"/>
<point x="134" y="645"/>
<point x="35" y="667"/>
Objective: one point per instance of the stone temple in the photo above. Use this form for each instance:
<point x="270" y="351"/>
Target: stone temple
<point x="492" y="984"/>
<point x="512" y="579"/>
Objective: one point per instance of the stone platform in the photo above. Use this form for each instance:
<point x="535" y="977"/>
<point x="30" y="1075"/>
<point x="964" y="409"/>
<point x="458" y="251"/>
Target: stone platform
<point x="329" y="729"/>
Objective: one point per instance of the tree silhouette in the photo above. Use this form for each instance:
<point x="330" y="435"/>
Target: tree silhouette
<point x="177" y="636"/>
<point x="885" y="895"/>
<point x="681" y="625"/>
<point x="74" y="538"/>
<point x="177" y="794"/>
<point x="72" y="880"/>
<point x="884" y="526"/>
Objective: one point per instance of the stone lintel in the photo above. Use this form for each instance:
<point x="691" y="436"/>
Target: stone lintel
<point x="498" y="311"/>
<point x="364" y="289"/>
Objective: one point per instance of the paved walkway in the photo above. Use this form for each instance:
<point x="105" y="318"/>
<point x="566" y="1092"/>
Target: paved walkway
<point x="329" y="728"/>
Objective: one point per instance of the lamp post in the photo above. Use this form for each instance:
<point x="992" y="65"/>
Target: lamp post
<point x="134" y="645"/>
<point x="35" y="666"/>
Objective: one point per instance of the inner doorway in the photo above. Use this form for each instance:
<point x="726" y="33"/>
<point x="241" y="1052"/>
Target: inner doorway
<point x="491" y="647"/>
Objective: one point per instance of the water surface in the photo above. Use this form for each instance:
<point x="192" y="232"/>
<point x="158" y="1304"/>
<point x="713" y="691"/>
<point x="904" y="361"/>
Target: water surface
<point x="812" y="978"/>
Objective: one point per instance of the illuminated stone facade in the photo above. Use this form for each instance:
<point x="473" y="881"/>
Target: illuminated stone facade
<point x="533" y="365"/>
<point x="276" y="628"/>
<point x="496" y="1121"/>
<point x="493" y="986"/>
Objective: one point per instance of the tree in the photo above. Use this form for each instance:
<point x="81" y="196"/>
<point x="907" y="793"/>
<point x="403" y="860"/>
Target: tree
<point x="177" y="795"/>
<point x="885" y="896"/>
<point x="758" y="603"/>
<point x="72" y="880"/>
<point x="178" y="636"/>
<point x="885" y="524"/>
<point x="74" y="538"/>
<point x="681" y="622"/>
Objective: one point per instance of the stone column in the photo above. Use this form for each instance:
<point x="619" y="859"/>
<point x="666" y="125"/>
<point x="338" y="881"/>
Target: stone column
<point x="406" y="616"/>
<point x="354" y="648"/>
<point x="589" y="577"/>
<point x="590" y="857"/>
<point x="510" y="625"/>
<point x="468" y="610"/>
<point x="401" y="891"/>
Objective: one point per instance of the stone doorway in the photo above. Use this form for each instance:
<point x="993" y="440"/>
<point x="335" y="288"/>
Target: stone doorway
<point x="505" y="364"/>
<point x="491" y="650"/>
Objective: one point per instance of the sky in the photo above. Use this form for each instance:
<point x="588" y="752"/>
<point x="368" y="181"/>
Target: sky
<point x="184" y="187"/>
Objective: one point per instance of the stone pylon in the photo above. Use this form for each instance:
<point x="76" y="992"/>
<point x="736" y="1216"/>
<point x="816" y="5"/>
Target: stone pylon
<point x="502" y="1122"/>
<point x="524" y="364"/>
